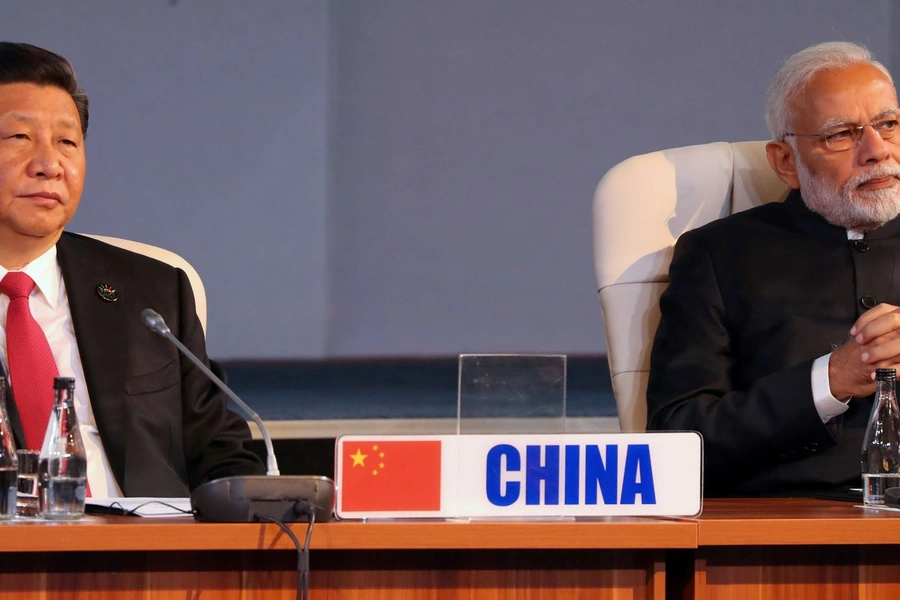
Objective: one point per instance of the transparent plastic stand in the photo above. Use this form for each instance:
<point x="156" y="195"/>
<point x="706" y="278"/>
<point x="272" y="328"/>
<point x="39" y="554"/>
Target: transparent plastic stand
<point x="511" y="393"/>
<point x="513" y="457"/>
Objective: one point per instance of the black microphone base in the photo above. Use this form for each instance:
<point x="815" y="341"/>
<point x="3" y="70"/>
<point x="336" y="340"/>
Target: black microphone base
<point x="245" y="498"/>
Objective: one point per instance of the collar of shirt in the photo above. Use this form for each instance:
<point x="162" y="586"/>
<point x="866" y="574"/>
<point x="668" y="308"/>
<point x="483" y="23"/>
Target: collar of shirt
<point x="45" y="272"/>
<point x="855" y="235"/>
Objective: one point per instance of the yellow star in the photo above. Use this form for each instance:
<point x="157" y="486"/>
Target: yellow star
<point x="359" y="458"/>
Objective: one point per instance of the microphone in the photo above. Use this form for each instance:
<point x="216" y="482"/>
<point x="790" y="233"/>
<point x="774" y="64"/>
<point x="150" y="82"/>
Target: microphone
<point x="246" y="498"/>
<point x="157" y="324"/>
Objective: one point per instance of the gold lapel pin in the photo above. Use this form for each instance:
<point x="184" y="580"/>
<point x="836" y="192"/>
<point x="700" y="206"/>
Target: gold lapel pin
<point x="107" y="292"/>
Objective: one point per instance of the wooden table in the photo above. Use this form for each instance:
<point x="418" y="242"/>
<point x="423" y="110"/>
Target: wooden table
<point x="789" y="548"/>
<point x="126" y="557"/>
<point x="764" y="548"/>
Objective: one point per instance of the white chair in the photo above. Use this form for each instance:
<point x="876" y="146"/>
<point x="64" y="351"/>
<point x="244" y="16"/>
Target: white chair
<point x="641" y="206"/>
<point x="169" y="257"/>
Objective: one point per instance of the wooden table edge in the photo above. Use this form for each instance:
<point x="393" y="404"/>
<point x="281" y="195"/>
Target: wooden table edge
<point x="129" y="534"/>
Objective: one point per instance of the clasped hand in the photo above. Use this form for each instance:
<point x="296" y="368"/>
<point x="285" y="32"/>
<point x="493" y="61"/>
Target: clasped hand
<point x="874" y="344"/>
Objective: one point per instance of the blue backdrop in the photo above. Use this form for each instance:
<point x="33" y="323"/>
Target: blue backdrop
<point x="404" y="178"/>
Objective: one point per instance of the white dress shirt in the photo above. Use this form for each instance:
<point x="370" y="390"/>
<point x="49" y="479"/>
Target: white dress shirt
<point x="49" y="305"/>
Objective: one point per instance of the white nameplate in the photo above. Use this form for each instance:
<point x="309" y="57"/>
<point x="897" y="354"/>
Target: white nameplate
<point x="577" y="475"/>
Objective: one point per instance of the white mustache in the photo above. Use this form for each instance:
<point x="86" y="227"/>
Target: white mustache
<point x="873" y="173"/>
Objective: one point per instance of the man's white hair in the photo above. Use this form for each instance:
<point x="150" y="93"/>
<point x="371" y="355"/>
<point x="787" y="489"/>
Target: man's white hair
<point x="797" y="71"/>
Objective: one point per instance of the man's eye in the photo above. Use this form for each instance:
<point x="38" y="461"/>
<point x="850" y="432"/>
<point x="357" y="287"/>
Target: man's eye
<point x="69" y="143"/>
<point x="18" y="136"/>
<point x="888" y="125"/>
<point x="839" y="135"/>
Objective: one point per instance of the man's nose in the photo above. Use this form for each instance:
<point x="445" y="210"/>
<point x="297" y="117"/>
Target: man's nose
<point x="871" y="148"/>
<point x="45" y="162"/>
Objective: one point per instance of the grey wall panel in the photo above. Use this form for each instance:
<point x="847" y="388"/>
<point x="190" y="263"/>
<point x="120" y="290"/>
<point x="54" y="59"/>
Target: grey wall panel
<point x="208" y="137"/>
<point x="472" y="134"/>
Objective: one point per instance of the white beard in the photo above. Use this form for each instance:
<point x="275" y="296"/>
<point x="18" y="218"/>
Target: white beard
<point x="847" y="206"/>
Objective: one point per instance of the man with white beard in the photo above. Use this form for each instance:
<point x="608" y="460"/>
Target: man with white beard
<point x="776" y="318"/>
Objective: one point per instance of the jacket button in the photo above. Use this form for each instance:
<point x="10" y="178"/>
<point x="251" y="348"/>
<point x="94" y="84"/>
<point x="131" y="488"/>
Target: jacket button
<point x="860" y="245"/>
<point x="867" y="301"/>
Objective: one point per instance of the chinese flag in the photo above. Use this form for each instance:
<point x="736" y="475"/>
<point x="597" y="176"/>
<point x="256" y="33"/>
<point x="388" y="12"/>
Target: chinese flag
<point x="391" y="476"/>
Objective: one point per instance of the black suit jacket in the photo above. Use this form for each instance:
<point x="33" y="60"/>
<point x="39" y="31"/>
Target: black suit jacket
<point x="753" y="299"/>
<point x="164" y="426"/>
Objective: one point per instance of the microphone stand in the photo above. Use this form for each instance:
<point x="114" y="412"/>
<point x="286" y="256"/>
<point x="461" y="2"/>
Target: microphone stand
<point x="250" y="498"/>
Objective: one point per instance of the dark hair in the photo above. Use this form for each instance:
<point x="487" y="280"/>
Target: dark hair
<point x="24" y="63"/>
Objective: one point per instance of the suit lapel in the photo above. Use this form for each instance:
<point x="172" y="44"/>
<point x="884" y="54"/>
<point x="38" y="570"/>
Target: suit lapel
<point x="100" y="333"/>
<point x="12" y="411"/>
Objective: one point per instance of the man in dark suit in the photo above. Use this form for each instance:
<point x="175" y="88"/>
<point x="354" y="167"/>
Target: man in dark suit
<point x="153" y="425"/>
<point x="776" y="318"/>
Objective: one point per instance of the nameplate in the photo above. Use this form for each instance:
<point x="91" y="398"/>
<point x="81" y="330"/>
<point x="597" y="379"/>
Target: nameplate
<point x="562" y="475"/>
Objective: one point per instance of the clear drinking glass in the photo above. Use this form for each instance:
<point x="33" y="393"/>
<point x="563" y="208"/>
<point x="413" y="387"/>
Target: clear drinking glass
<point x="27" y="483"/>
<point x="7" y="460"/>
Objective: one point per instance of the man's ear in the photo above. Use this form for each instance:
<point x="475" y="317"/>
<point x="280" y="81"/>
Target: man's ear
<point x="783" y="161"/>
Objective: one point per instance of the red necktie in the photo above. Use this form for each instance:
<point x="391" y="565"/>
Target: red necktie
<point x="31" y="364"/>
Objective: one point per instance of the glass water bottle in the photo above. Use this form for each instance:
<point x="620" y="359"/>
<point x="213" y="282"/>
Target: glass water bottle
<point x="63" y="466"/>
<point x="881" y="446"/>
<point x="8" y="460"/>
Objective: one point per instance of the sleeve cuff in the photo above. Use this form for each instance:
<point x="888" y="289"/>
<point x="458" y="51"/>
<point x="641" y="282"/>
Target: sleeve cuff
<point x="827" y="405"/>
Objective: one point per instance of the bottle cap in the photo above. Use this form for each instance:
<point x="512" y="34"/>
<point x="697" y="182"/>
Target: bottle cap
<point x="885" y="374"/>
<point x="62" y="383"/>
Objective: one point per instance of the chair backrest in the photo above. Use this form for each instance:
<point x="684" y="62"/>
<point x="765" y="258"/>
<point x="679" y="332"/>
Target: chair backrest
<point x="166" y="256"/>
<point x="641" y="206"/>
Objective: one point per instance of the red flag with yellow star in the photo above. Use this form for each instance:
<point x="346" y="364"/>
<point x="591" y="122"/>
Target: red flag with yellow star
<point x="391" y="476"/>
